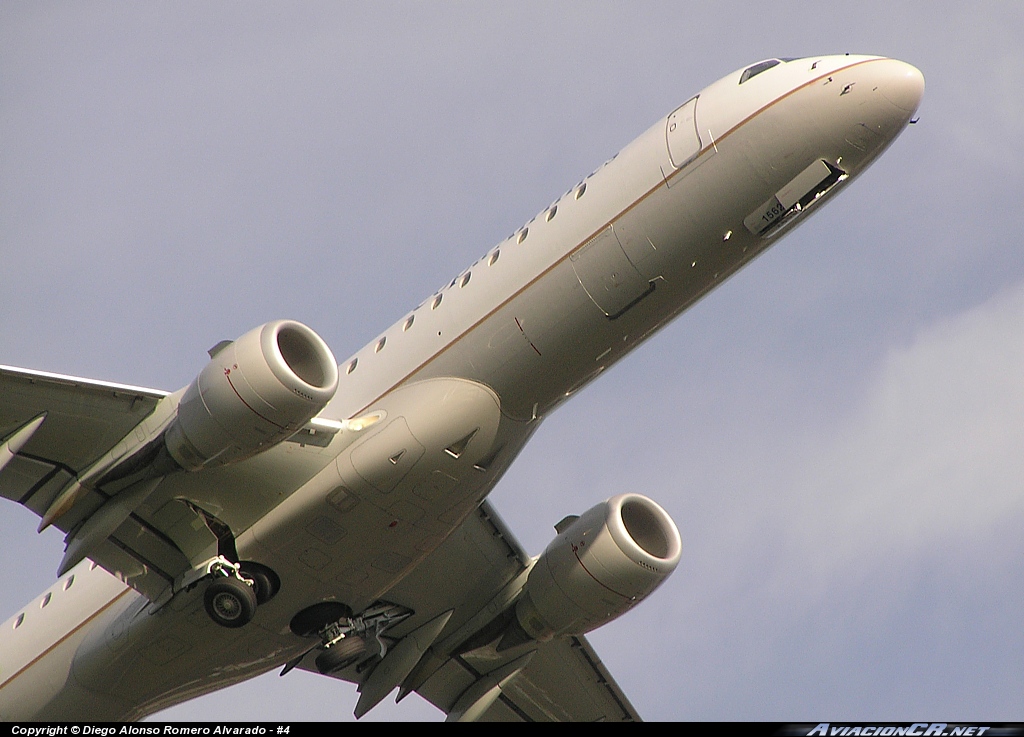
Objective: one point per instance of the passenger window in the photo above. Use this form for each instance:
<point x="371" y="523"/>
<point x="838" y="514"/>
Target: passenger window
<point x="465" y="279"/>
<point x="352" y="366"/>
<point x="380" y="344"/>
<point x="552" y="212"/>
<point x="581" y="190"/>
<point x="522" y="235"/>
<point x="408" y="323"/>
<point x="46" y="600"/>
<point x="494" y="257"/>
<point x="437" y="302"/>
<point x="19" y="620"/>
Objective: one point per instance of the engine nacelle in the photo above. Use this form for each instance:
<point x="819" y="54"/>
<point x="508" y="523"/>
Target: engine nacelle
<point x="598" y="568"/>
<point x="254" y="393"/>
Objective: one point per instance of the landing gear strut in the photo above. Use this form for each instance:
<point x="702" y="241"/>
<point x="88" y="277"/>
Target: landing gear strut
<point x="236" y="590"/>
<point x="344" y="638"/>
<point x="264" y="581"/>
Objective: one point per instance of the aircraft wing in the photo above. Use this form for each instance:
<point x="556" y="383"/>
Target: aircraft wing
<point x="77" y="453"/>
<point x="84" y="420"/>
<point x="474" y="574"/>
<point x="565" y="681"/>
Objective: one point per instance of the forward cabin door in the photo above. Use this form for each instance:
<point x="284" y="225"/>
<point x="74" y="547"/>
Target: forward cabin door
<point x="681" y="134"/>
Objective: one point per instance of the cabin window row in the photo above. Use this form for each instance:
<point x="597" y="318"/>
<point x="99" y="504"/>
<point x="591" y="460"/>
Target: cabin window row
<point x="462" y="281"/>
<point x="68" y="583"/>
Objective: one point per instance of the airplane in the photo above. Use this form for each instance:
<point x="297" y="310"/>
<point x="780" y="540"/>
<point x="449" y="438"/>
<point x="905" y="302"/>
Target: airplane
<point x="286" y="511"/>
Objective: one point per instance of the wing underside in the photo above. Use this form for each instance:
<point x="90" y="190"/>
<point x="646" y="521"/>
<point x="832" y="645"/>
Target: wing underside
<point x="84" y="420"/>
<point x="471" y="579"/>
<point x="476" y="573"/>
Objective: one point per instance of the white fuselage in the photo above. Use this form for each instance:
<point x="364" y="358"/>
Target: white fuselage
<point x="541" y="314"/>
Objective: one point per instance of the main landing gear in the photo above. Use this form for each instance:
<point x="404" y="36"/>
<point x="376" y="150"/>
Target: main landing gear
<point x="343" y="637"/>
<point x="236" y="590"/>
<point x="230" y="602"/>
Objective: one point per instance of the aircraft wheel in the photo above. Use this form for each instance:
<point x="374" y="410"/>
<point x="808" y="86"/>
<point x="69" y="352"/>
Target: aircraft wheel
<point x="264" y="590"/>
<point x="230" y="602"/>
<point x="265" y="581"/>
<point x="340" y="655"/>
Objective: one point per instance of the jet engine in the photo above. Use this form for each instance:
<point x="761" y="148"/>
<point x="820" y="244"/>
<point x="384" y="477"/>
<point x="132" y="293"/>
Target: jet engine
<point x="598" y="567"/>
<point x="254" y="393"/>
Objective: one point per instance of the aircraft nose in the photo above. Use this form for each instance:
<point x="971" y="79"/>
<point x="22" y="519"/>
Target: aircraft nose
<point x="903" y="85"/>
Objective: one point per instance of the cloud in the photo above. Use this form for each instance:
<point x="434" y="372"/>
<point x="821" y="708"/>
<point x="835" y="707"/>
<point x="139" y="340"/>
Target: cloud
<point x="858" y="562"/>
<point x="935" y="450"/>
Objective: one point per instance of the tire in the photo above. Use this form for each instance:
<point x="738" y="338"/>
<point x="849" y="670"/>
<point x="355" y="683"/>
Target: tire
<point x="341" y="655"/>
<point x="230" y="603"/>
<point x="265" y="581"/>
<point x="261" y="585"/>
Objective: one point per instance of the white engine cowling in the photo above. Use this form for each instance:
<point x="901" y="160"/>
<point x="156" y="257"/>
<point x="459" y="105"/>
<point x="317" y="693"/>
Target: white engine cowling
<point x="254" y="393"/>
<point x="598" y="568"/>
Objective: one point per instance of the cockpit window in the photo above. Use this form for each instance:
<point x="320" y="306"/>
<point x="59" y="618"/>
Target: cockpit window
<point x="761" y="66"/>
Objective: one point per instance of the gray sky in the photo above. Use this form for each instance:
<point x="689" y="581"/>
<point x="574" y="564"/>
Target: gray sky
<point x="838" y="430"/>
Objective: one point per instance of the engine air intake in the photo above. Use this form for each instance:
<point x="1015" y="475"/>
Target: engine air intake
<point x="254" y="393"/>
<point x="598" y="567"/>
